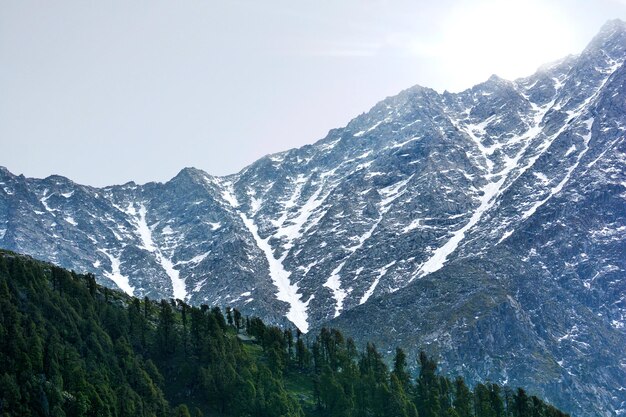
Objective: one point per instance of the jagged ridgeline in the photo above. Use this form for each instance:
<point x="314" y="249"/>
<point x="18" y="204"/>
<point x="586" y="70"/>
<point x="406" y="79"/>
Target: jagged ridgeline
<point x="69" y="347"/>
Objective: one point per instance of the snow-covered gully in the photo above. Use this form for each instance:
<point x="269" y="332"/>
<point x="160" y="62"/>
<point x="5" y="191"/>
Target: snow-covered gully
<point x="287" y="292"/>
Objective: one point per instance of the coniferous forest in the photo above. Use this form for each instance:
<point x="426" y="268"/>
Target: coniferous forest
<point x="69" y="347"/>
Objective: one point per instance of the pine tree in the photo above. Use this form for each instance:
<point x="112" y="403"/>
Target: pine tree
<point x="237" y="317"/>
<point x="463" y="398"/>
<point x="400" y="369"/>
<point x="427" y="388"/>
<point x="166" y="338"/>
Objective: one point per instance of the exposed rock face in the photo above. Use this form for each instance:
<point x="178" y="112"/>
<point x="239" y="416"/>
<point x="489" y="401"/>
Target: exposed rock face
<point x="488" y="226"/>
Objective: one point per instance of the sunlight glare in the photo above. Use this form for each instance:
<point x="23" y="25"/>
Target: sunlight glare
<point x="508" y="38"/>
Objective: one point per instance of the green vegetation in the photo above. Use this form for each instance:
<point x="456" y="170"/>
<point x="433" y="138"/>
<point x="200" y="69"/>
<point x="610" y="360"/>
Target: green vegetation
<point x="69" y="347"/>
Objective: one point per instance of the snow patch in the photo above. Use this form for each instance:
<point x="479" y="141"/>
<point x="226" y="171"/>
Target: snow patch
<point x="228" y="194"/>
<point x="214" y="226"/>
<point x="374" y="174"/>
<point x="195" y="259"/>
<point x="331" y="145"/>
<point x="392" y="192"/>
<point x="291" y="229"/>
<point x="571" y="334"/>
<point x="505" y="236"/>
<point x="364" y="165"/>
<point x="279" y="157"/>
<point x="138" y="218"/>
<point x="255" y="204"/>
<point x="115" y="275"/>
<point x="199" y="285"/>
<point x="541" y="177"/>
<point x="381" y="273"/>
<point x="334" y="284"/>
<point x="476" y="132"/>
<point x="287" y="292"/>
<point x="178" y="284"/>
<point x="362" y="132"/>
<point x="306" y="269"/>
<point x="440" y="256"/>
<point x="402" y="144"/>
<point x="490" y="193"/>
<point x="557" y="189"/>
<point x="44" y="201"/>
<point x="415" y="223"/>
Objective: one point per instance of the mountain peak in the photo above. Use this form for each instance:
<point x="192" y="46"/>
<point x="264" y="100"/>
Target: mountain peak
<point x="190" y="174"/>
<point x="59" y="179"/>
<point x="612" y="26"/>
<point x="611" y="38"/>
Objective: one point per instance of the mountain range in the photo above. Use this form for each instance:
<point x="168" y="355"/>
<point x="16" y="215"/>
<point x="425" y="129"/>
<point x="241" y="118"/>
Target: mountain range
<point x="487" y="227"/>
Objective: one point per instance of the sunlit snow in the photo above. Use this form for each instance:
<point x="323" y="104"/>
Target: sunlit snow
<point x="115" y="275"/>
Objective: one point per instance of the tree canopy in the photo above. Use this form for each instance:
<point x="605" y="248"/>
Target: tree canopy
<point x="69" y="347"/>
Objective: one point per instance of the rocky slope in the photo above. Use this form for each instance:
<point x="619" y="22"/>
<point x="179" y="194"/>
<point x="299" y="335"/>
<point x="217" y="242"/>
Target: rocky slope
<point x="488" y="225"/>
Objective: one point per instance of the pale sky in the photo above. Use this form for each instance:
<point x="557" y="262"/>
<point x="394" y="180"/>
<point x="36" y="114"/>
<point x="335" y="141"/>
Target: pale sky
<point x="105" y="92"/>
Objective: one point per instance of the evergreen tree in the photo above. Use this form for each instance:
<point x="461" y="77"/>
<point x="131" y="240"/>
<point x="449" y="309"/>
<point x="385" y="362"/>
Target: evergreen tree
<point x="237" y="317"/>
<point x="427" y="389"/>
<point x="229" y="316"/>
<point x="166" y="336"/>
<point x="521" y="404"/>
<point x="463" y="398"/>
<point x="400" y="369"/>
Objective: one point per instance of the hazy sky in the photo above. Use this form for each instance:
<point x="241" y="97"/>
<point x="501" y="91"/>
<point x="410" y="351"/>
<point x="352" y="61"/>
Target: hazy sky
<point x="110" y="91"/>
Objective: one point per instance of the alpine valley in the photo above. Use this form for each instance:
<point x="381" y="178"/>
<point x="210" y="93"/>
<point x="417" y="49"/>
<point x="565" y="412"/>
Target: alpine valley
<point x="487" y="227"/>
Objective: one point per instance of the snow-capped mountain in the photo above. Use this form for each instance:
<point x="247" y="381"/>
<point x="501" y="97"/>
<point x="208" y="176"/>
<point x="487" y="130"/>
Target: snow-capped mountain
<point x="488" y="226"/>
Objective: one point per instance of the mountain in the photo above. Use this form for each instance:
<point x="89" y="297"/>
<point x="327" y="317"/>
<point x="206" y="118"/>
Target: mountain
<point x="492" y="221"/>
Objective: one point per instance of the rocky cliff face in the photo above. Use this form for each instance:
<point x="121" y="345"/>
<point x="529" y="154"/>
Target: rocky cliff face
<point x="488" y="226"/>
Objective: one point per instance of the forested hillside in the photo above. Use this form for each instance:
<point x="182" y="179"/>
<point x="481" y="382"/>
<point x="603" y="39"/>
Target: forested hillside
<point x="69" y="347"/>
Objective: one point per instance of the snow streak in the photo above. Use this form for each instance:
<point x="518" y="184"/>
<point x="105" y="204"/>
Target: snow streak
<point x="138" y="219"/>
<point x="490" y="193"/>
<point x="115" y="275"/>
<point x="287" y="292"/>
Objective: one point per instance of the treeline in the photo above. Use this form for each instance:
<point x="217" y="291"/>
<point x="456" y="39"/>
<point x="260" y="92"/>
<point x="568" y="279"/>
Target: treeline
<point x="69" y="347"/>
<point x="349" y="383"/>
